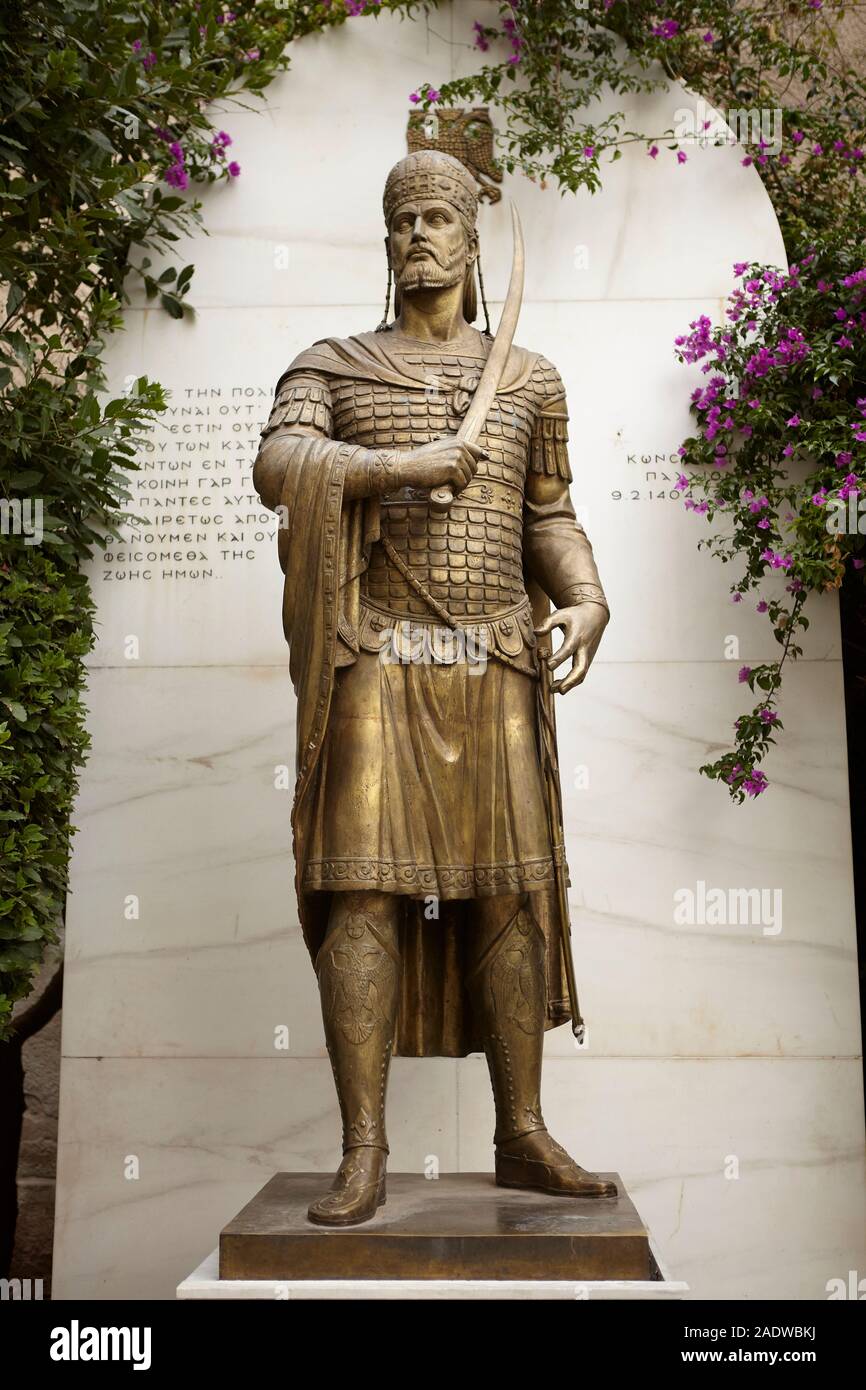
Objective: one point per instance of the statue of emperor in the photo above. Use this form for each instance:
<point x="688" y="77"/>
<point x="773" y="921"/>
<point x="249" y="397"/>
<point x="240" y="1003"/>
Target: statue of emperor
<point x="425" y="867"/>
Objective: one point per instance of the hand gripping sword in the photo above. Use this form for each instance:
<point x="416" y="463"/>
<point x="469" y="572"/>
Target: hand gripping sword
<point x="441" y="499"/>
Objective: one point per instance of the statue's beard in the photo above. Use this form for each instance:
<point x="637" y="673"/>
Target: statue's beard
<point x="431" y="272"/>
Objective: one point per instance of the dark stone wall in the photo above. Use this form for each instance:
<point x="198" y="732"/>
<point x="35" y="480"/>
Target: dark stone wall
<point x="37" y="1162"/>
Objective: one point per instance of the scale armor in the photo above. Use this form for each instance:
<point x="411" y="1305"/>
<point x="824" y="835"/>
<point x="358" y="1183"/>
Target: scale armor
<point x="470" y="558"/>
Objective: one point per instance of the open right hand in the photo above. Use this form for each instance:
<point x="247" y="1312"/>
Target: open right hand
<point x="448" y="461"/>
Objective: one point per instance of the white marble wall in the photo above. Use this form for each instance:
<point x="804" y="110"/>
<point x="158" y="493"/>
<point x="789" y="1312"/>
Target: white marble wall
<point x="705" y="1042"/>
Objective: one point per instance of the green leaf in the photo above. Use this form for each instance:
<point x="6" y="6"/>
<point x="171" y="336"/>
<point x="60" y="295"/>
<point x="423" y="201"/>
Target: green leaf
<point x="171" y="305"/>
<point x="102" y="142"/>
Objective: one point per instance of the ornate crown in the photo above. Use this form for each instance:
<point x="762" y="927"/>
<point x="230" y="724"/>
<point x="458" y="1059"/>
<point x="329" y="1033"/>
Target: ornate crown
<point x="431" y="174"/>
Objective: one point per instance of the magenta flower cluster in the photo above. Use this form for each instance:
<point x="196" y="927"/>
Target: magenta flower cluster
<point x="176" y="175"/>
<point x="219" y="144"/>
<point x="744" y="382"/>
<point x="512" y="33"/>
<point x="149" y="59"/>
<point x="753" y="783"/>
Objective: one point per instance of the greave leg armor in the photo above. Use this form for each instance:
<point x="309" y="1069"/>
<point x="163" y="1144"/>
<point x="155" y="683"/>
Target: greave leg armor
<point x="358" y="967"/>
<point x="509" y="994"/>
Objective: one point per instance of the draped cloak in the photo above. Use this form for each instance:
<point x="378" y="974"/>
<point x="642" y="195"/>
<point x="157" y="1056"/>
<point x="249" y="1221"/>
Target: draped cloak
<point x="324" y="545"/>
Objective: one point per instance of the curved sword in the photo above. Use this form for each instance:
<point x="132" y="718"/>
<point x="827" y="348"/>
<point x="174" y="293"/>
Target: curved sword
<point x="494" y="367"/>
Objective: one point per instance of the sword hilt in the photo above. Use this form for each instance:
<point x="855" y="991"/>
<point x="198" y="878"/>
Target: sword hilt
<point x="441" y="498"/>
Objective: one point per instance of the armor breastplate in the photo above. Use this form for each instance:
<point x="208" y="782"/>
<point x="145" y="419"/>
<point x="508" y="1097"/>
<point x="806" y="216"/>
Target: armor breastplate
<point x="470" y="558"/>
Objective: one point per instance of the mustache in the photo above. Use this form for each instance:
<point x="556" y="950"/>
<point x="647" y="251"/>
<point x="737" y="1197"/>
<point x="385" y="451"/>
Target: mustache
<point x="431" y="270"/>
<point x="445" y="260"/>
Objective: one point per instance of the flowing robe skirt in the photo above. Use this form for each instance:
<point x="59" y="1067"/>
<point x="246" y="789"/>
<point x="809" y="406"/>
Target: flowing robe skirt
<point x="429" y="783"/>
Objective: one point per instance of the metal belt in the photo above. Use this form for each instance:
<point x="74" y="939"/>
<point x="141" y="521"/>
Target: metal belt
<point x="440" y="611"/>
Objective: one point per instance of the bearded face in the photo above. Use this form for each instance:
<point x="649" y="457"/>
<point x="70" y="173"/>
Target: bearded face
<point x="429" y="246"/>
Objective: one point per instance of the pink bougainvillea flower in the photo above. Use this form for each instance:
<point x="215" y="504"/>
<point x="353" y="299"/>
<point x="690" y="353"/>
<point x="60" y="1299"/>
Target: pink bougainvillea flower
<point x="850" y="487"/>
<point x="176" y="176"/>
<point x="234" y="169"/>
<point x="755" y="783"/>
<point x="681" y="156"/>
<point x="653" y="151"/>
<point x="743" y="674"/>
<point x="777" y="561"/>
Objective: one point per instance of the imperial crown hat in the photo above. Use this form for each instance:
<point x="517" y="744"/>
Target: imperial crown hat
<point x="431" y="174"/>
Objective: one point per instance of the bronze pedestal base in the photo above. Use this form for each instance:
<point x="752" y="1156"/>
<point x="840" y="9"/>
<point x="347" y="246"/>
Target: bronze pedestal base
<point x="459" y="1226"/>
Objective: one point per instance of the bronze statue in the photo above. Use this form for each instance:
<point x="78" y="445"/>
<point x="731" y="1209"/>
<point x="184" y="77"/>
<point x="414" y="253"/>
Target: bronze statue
<point x="419" y="567"/>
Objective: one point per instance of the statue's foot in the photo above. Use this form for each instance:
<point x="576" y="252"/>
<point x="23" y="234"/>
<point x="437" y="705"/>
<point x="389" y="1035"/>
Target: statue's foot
<point x="357" y="1191"/>
<point x="536" y="1161"/>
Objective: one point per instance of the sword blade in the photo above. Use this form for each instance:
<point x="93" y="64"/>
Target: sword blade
<point x="494" y="368"/>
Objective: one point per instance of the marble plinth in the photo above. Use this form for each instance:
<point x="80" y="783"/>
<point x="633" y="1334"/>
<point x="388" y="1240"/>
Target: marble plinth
<point x="205" y="1283"/>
